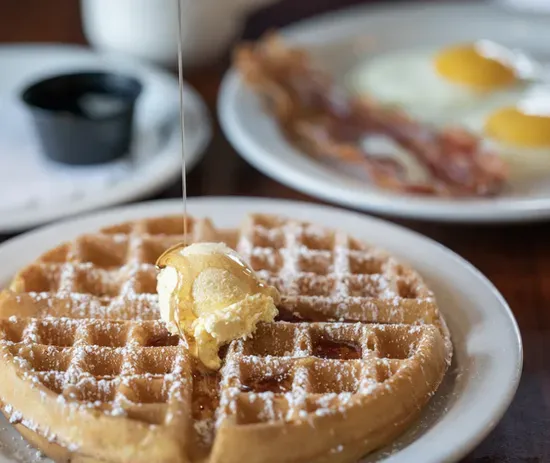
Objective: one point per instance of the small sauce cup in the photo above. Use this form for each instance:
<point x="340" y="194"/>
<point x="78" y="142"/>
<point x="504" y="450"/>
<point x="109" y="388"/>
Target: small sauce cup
<point x="83" y="118"/>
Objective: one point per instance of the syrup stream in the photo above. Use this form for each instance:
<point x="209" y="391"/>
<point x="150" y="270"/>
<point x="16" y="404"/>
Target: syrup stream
<point x="182" y="119"/>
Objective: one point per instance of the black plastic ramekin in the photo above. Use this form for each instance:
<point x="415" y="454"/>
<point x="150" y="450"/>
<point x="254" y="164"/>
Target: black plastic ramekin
<point x="83" y="118"/>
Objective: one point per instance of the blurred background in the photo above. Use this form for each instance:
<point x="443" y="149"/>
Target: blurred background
<point x="138" y="157"/>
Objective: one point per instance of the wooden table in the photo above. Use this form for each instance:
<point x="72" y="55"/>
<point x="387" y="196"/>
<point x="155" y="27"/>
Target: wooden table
<point x="516" y="258"/>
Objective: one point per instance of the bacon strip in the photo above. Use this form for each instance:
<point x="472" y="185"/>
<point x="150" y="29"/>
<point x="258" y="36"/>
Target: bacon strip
<point x="318" y="117"/>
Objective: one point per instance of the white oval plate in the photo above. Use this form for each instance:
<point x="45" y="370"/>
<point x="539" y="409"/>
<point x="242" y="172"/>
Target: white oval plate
<point x="157" y="147"/>
<point x="487" y="357"/>
<point x="334" y="38"/>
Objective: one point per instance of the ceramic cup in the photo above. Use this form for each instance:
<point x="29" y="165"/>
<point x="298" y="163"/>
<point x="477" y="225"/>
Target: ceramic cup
<point x="148" y="29"/>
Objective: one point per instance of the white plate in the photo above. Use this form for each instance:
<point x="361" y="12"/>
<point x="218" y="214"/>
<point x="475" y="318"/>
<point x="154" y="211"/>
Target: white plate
<point x="52" y="190"/>
<point x="334" y="39"/>
<point x="487" y="346"/>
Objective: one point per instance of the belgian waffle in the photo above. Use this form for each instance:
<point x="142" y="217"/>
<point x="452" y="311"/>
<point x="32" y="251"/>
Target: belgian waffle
<point x="359" y="349"/>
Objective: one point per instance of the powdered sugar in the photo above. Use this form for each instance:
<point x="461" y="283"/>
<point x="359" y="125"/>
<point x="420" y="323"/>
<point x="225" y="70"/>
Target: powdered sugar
<point x="318" y="270"/>
<point x="99" y="361"/>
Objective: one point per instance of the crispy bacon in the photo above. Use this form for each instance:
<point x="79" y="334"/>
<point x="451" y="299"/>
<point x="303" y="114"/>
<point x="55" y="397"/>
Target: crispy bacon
<point x="318" y="116"/>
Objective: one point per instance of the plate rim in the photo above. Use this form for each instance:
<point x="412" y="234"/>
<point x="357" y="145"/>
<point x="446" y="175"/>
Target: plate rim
<point x="497" y="210"/>
<point x="68" y="228"/>
<point x="12" y="222"/>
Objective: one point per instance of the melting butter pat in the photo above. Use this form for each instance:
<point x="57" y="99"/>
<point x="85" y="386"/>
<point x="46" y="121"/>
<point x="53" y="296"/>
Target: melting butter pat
<point x="208" y="294"/>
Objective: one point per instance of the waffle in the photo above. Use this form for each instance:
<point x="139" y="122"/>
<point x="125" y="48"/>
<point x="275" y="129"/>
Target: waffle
<point x="91" y="373"/>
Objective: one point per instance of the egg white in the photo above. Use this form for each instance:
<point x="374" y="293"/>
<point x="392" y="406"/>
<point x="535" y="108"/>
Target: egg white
<point x="408" y="79"/>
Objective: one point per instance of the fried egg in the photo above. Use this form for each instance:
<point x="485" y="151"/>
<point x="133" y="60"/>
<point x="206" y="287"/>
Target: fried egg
<point x="437" y="85"/>
<point x="518" y="128"/>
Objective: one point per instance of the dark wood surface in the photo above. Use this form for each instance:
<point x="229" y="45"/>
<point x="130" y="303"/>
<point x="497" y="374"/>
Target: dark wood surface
<point x="516" y="257"/>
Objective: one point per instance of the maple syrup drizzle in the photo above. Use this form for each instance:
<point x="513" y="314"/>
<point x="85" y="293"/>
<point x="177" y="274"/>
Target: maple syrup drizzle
<point x="182" y="119"/>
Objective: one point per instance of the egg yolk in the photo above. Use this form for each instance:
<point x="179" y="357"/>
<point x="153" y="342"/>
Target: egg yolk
<point x="467" y="65"/>
<point x="511" y="126"/>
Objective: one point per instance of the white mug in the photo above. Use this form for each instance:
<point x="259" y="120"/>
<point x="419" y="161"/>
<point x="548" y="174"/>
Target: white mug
<point x="532" y="6"/>
<point x="148" y="29"/>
